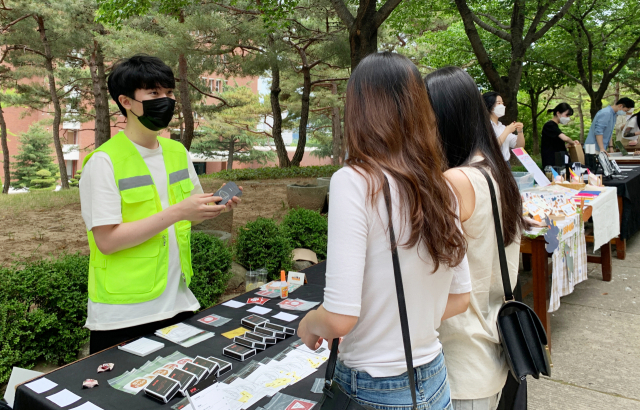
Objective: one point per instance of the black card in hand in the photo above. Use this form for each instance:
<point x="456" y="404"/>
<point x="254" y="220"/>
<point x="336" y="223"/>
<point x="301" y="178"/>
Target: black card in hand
<point x="227" y="192"/>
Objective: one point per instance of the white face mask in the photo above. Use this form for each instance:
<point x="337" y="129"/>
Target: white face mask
<point x="499" y="110"/>
<point x="564" y="120"/>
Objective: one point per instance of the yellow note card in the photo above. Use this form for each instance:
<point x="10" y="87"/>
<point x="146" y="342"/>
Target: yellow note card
<point x="236" y="332"/>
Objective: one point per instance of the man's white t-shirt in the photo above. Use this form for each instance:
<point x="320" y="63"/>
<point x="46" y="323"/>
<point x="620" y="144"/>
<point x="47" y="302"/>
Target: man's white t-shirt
<point x="101" y="205"/>
<point x="509" y="143"/>
<point x="633" y="124"/>
<point x="360" y="280"/>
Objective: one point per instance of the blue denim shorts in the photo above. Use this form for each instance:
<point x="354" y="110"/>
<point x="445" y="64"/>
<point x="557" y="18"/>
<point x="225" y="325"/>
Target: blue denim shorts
<point x="393" y="393"/>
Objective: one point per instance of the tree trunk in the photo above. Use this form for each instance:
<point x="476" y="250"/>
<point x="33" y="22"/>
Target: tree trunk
<point x="304" y="117"/>
<point x="185" y="99"/>
<point x="232" y="144"/>
<point x="5" y="153"/>
<point x="99" y="81"/>
<point x="276" y="132"/>
<point x="64" y="178"/>
<point x="581" y="115"/>
<point x="596" y="103"/>
<point x="336" y="131"/>
<point x="533" y="100"/>
<point x="363" y="35"/>
<point x="617" y="91"/>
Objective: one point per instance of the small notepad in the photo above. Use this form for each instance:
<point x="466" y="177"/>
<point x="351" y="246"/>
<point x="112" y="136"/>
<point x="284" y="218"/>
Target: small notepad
<point x="64" y="398"/>
<point x="142" y="347"/>
<point x="41" y="385"/>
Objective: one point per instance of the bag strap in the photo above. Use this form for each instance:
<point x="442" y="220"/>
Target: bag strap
<point x="404" y="321"/>
<point x="402" y="307"/>
<point x="506" y="282"/>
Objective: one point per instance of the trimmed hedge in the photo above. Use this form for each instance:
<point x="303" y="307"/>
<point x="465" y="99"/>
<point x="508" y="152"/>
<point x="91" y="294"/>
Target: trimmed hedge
<point x="307" y="229"/>
<point x="43" y="308"/>
<point x="275" y="173"/>
<point x="211" y="261"/>
<point x="262" y="243"/>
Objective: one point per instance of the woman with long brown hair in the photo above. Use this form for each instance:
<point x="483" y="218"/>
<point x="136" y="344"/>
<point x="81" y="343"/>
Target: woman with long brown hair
<point x="477" y="367"/>
<point x="390" y="132"/>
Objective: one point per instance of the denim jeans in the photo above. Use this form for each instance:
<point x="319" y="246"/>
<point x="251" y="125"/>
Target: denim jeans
<point x="392" y="393"/>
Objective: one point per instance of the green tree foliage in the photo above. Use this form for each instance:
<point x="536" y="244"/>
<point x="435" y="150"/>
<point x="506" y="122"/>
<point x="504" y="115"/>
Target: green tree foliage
<point x="35" y="155"/>
<point x="211" y="261"/>
<point x="43" y="180"/>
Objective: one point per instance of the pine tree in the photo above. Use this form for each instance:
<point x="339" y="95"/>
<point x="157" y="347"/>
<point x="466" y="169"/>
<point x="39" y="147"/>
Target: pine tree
<point x="43" y="180"/>
<point x="35" y="155"/>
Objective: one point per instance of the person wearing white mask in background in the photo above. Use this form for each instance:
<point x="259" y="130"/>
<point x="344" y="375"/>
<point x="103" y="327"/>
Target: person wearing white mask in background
<point x="506" y="134"/>
<point x="552" y="139"/>
<point x="604" y="122"/>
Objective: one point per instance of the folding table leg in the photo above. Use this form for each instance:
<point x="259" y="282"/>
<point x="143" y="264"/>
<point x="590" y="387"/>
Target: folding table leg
<point x="540" y="278"/>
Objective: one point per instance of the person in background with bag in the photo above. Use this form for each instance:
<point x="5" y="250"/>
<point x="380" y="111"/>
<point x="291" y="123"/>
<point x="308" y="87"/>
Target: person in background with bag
<point x="390" y="132"/>
<point x="552" y="139"/>
<point x="507" y="139"/>
<point x="471" y="343"/>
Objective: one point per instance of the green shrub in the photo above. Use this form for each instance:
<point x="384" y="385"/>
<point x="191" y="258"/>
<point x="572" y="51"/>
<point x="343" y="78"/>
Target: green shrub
<point x="44" y="180"/>
<point x="262" y="243"/>
<point x="275" y="173"/>
<point x="211" y="261"/>
<point x="43" y="308"/>
<point x="307" y="229"/>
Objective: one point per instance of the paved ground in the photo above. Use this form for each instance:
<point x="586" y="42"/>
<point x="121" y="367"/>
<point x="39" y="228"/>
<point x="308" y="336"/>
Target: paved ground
<point x="596" y="343"/>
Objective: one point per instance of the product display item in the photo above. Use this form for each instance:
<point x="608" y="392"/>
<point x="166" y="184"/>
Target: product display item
<point x="224" y="366"/>
<point x="253" y="321"/>
<point x="162" y="388"/>
<point x="212" y="367"/>
<point x="238" y="352"/>
<point x="252" y="344"/>
<point x="186" y="379"/>
<point x="107" y="367"/>
<point x="214" y="320"/>
<point x="278" y="328"/>
<point x="89" y="384"/>
<point x="260" y="338"/>
<point x="201" y="372"/>
<point x="269" y="332"/>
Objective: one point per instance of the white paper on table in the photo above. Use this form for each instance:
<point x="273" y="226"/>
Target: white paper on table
<point x="233" y="304"/>
<point x="197" y="339"/>
<point x="41" y="385"/>
<point x="259" y="310"/>
<point x="210" y="398"/>
<point x="87" y="406"/>
<point x="287" y="317"/>
<point x="64" y="398"/>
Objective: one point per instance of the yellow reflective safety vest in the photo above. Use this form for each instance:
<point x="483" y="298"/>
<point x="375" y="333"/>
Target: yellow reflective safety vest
<point x="139" y="274"/>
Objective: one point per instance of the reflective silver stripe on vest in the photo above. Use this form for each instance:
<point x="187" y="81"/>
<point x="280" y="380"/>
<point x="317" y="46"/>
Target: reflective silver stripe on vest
<point x="178" y="176"/>
<point x="135" y="182"/>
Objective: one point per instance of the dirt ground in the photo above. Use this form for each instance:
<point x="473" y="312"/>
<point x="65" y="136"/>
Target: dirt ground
<point x="40" y="233"/>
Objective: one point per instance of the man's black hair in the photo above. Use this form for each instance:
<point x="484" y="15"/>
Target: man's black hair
<point x="138" y="72"/>
<point x="627" y="102"/>
<point x="490" y="99"/>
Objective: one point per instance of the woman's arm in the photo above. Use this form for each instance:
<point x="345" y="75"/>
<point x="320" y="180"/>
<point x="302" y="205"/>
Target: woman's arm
<point x="568" y="140"/>
<point x="321" y="324"/>
<point x="456" y="303"/>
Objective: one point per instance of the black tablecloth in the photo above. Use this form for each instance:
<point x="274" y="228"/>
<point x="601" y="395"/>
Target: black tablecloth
<point x="629" y="191"/>
<point x="71" y="377"/>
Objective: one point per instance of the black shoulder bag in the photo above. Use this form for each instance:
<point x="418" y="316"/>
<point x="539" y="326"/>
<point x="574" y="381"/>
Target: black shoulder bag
<point x="522" y="336"/>
<point x="334" y="397"/>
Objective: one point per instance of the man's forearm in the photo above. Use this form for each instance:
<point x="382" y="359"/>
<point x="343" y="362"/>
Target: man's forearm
<point x="599" y="140"/>
<point x="114" y="238"/>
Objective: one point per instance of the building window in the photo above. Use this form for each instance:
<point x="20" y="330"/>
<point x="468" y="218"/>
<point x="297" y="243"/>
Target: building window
<point x="72" y="137"/>
<point x="218" y="86"/>
<point x="211" y="82"/>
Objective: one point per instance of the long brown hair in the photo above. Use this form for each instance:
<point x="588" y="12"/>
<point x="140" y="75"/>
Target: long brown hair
<point x="390" y="127"/>
<point x="465" y="129"/>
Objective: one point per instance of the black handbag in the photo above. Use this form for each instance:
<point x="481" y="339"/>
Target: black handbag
<point x="334" y="397"/>
<point x="522" y="335"/>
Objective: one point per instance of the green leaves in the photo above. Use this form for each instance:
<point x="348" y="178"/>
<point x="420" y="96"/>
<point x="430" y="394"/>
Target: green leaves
<point x="307" y="229"/>
<point x="275" y="173"/>
<point x="116" y="12"/>
<point x="262" y="243"/>
<point x="211" y="261"/>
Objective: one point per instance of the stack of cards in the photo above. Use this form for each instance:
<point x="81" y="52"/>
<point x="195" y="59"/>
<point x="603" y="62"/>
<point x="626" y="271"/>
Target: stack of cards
<point x="223" y="366"/>
<point x="238" y="352"/>
<point x="162" y="388"/>
<point x="282" y="329"/>
<point x="183" y="334"/>
<point x="267" y="340"/>
<point x="297" y="304"/>
<point x="185" y="378"/>
<point x="253" y="321"/>
<point x="142" y="347"/>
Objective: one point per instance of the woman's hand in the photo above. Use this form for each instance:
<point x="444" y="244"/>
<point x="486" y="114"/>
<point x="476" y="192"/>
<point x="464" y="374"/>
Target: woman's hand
<point x="519" y="126"/>
<point x="512" y="127"/>
<point x="312" y="341"/>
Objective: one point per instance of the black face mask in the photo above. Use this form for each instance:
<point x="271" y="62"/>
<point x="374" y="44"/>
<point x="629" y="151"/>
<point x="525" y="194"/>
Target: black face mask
<point x="157" y="113"/>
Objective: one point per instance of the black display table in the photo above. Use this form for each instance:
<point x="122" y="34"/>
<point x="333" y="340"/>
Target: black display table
<point x="71" y="376"/>
<point x="629" y="206"/>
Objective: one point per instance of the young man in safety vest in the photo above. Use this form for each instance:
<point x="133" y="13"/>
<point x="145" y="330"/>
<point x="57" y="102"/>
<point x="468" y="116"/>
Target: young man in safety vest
<point x="139" y="195"/>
